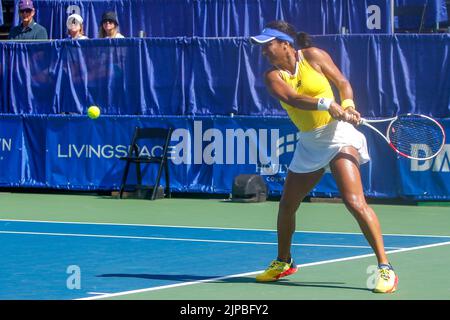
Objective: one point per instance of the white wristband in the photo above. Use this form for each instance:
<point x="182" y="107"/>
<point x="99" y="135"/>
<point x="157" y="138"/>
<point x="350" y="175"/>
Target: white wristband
<point x="324" y="104"/>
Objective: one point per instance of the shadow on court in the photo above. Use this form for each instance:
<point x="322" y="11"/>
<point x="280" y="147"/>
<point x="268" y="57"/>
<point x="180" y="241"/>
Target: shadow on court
<point x="243" y="280"/>
<point x="169" y="277"/>
<point x="331" y="285"/>
<point x="287" y="282"/>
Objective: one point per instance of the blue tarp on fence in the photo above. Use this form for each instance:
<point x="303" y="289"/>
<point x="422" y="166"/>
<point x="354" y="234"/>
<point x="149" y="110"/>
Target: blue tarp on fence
<point x="204" y="76"/>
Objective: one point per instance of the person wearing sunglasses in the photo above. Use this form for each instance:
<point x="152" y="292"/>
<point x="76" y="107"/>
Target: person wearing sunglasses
<point x="109" y="27"/>
<point x="28" y="29"/>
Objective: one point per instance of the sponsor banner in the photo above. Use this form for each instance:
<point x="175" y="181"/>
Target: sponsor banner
<point x="428" y="178"/>
<point x="11" y="150"/>
<point x="205" y="155"/>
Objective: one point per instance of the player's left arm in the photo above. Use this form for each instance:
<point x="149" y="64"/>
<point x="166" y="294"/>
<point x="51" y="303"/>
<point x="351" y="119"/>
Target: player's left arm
<point x="321" y="61"/>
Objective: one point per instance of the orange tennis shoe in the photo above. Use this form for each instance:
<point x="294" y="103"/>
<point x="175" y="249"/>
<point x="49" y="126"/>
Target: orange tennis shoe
<point x="276" y="270"/>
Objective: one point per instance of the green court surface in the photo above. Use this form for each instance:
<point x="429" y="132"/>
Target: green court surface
<point x="424" y="272"/>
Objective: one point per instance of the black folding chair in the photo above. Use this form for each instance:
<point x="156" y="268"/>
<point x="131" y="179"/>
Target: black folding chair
<point x="134" y="157"/>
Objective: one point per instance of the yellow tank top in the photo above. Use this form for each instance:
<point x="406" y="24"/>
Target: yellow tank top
<point x="307" y="81"/>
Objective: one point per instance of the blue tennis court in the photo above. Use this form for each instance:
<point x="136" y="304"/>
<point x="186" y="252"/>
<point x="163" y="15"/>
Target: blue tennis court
<point x="38" y="258"/>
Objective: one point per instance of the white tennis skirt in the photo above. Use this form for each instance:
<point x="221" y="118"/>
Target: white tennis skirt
<point x="316" y="148"/>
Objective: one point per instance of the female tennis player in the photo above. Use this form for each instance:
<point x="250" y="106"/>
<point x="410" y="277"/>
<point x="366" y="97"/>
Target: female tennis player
<point x="328" y="139"/>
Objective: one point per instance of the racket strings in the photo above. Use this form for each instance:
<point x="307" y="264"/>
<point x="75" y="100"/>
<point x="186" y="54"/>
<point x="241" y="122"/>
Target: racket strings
<point x="417" y="137"/>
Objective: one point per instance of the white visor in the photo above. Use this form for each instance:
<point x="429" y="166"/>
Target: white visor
<point x="261" y="39"/>
<point x="74" y="19"/>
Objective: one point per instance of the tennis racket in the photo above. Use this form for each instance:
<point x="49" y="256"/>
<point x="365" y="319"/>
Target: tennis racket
<point x="413" y="136"/>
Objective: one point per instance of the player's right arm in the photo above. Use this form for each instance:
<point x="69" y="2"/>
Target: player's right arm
<point x="281" y="91"/>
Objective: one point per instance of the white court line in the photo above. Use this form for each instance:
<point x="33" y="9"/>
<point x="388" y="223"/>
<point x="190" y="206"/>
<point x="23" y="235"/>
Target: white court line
<point x="98" y="293"/>
<point x="182" y="239"/>
<point x="256" y="272"/>
<point x="213" y="228"/>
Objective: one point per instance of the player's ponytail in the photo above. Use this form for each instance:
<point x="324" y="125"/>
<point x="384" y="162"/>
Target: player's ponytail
<point x="304" y="40"/>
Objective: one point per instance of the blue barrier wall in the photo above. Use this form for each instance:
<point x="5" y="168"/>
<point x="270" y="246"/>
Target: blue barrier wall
<point x="151" y="82"/>
<point x="216" y="18"/>
<point x="206" y="153"/>
<point x="204" y="76"/>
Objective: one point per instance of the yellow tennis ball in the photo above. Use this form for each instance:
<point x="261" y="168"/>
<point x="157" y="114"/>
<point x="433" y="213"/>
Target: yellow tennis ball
<point x="93" y="112"/>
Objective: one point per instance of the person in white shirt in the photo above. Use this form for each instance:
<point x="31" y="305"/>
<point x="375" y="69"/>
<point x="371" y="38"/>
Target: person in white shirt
<point x="109" y="27"/>
<point x="75" y="29"/>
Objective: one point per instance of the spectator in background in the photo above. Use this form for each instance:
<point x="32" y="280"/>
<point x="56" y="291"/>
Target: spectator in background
<point x="75" y="27"/>
<point x="28" y="29"/>
<point x="109" y="27"/>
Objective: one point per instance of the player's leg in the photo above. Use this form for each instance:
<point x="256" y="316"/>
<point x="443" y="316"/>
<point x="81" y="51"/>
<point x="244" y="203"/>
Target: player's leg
<point x="296" y="187"/>
<point x="345" y="169"/>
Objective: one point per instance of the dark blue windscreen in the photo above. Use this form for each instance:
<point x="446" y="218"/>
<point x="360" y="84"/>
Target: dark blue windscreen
<point x="390" y="75"/>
